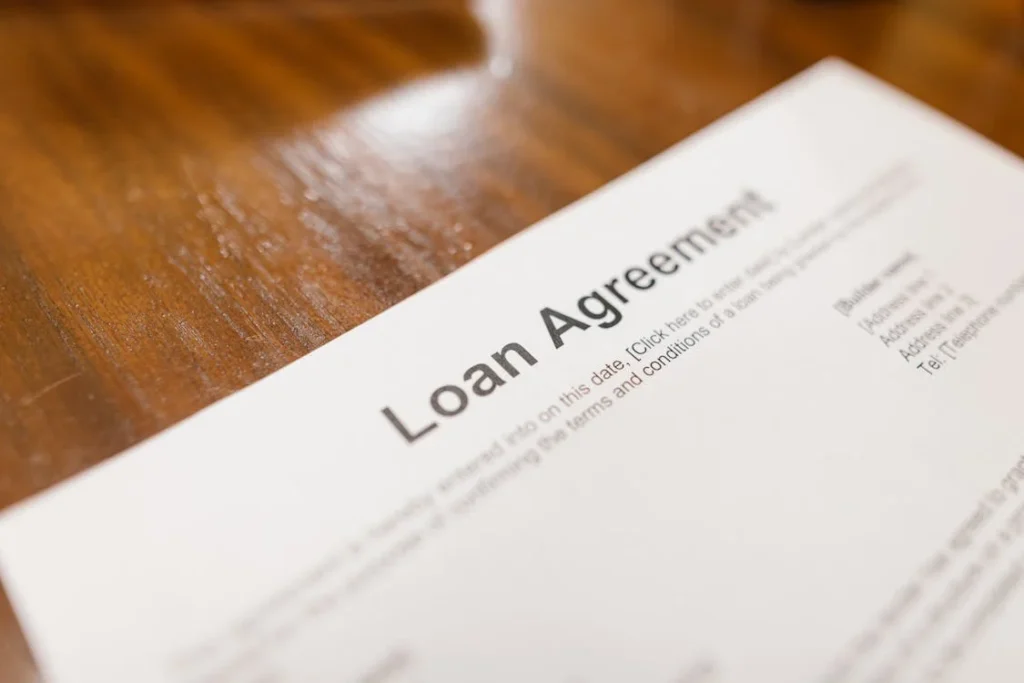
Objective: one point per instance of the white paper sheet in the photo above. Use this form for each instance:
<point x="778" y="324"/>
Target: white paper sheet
<point x="751" y="413"/>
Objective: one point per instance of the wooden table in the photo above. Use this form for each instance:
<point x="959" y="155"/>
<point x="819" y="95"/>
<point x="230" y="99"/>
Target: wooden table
<point x="195" y="193"/>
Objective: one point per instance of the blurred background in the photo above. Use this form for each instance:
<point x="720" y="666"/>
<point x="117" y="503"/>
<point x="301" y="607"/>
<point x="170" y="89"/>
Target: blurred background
<point x="194" y="193"/>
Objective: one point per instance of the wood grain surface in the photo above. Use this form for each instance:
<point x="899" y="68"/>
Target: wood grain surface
<point x="195" y="193"/>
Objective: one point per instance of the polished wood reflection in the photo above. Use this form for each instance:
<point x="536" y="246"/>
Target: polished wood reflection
<point x="194" y="193"/>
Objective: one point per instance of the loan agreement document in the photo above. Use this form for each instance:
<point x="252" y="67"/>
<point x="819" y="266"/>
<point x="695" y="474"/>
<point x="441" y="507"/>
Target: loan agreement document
<point x="750" y="414"/>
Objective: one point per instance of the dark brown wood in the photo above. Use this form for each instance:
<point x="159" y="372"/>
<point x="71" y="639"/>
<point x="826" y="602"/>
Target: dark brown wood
<point x="194" y="194"/>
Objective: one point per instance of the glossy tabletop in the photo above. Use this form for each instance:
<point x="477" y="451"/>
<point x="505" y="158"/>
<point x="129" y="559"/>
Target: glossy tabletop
<point x="194" y="193"/>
